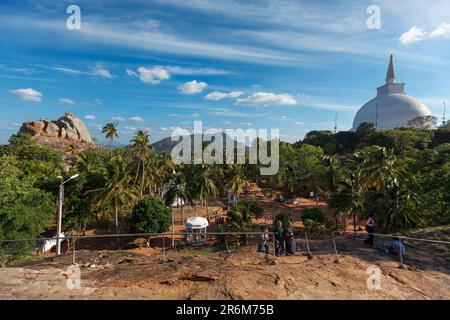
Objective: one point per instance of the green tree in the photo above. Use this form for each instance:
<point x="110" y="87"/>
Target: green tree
<point x="150" y="215"/>
<point x="141" y="149"/>
<point x="118" y="192"/>
<point x="25" y="211"/>
<point x="176" y="190"/>
<point x="206" y="184"/>
<point x="111" y="132"/>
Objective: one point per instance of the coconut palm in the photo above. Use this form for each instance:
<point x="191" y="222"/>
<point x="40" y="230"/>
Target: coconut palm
<point x="111" y="132"/>
<point x="88" y="160"/>
<point x="237" y="179"/>
<point x="387" y="184"/>
<point x="118" y="192"/>
<point x="206" y="184"/>
<point x="349" y="198"/>
<point x="176" y="190"/>
<point x="141" y="149"/>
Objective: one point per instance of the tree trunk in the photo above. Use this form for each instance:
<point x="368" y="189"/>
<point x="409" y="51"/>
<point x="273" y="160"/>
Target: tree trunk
<point x="143" y="177"/>
<point x="137" y="172"/>
<point x="117" y="224"/>
<point x="354" y="222"/>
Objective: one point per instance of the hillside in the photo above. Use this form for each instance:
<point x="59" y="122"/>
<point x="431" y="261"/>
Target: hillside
<point x="166" y="144"/>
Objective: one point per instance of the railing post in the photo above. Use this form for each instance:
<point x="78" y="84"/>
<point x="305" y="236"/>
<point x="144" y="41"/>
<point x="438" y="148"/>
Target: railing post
<point x="164" y="249"/>
<point x="335" y="249"/>
<point x="307" y="245"/>
<point x="400" y="253"/>
<point x="74" y="241"/>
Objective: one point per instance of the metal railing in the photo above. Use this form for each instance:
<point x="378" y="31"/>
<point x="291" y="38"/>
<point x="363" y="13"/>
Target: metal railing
<point x="334" y="235"/>
<point x="74" y="239"/>
<point x="390" y="236"/>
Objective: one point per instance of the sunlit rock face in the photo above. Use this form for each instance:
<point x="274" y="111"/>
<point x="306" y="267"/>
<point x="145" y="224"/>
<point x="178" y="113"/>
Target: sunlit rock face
<point x="391" y="108"/>
<point x="68" y="128"/>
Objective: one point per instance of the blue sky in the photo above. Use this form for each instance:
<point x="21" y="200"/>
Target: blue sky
<point x="160" y="64"/>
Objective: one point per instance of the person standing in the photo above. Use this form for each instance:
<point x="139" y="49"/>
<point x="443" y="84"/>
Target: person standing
<point x="279" y="239"/>
<point x="264" y="240"/>
<point x="289" y="239"/>
<point x="370" y="228"/>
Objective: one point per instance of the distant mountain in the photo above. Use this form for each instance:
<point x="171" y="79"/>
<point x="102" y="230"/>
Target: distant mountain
<point x="166" y="144"/>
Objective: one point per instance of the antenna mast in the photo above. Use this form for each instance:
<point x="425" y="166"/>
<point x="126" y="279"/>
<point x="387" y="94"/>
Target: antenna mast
<point x="443" y="118"/>
<point x="335" y="122"/>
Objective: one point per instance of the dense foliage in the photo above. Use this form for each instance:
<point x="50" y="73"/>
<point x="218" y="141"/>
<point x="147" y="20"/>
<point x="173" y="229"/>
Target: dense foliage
<point x="150" y="215"/>
<point x="401" y="175"/>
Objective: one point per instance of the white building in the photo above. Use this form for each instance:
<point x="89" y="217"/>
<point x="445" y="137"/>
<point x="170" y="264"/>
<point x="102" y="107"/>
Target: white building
<point x="391" y="108"/>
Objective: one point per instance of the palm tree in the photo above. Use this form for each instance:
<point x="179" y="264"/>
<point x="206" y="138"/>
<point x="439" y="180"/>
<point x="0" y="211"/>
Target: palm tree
<point x="118" y="191"/>
<point x="111" y="132"/>
<point x="240" y="219"/>
<point x="237" y="180"/>
<point x="206" y="185"/>
<point x="141" y="149"/>
<point x="387" y="184"/>
<point x="175" y="191"/>
<point x="349" y="198"/>
<point x="88" y="160"/>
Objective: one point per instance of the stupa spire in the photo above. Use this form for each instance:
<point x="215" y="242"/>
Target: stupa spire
<point x="390" y="77"/>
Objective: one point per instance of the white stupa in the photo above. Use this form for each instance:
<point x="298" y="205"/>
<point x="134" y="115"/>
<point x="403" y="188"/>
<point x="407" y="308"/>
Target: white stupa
<point x="391" y="108"/>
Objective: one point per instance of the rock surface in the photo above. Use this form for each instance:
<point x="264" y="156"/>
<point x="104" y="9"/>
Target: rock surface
<point x="67" y="128"/>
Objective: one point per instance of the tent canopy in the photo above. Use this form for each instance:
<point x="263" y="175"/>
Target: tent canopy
<point x="197" y="223"/>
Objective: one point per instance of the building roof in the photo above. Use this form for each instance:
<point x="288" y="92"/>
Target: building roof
<point x="197" y="222"/>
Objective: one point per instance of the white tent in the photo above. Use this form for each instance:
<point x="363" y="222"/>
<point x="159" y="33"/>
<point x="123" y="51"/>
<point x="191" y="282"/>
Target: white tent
<point x="196" y="229"/>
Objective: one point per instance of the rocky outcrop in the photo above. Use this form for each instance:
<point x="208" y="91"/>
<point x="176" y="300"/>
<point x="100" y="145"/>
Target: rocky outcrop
<point x="68" y="128"/>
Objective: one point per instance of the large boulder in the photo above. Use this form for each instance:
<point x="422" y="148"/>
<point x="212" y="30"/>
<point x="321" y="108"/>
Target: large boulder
<point x="68" y="128"/>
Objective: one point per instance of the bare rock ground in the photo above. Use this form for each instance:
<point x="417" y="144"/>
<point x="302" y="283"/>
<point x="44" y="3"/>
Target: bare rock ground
<point x="243" y="274"/>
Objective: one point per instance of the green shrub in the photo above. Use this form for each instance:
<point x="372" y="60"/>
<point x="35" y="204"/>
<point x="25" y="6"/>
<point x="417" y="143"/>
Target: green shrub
<point x="150" y="215"/>
<point x="283" y="217"/>
<point x="314" y="214"/>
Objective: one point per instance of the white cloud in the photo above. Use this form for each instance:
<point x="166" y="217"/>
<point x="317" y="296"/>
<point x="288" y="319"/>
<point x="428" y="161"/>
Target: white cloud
<point x="65" y="101"/>
<point x="441" y="30"/>
<point x="28" y="94"/>
<point x="414" y="34"/>
<point x="267" y="99"/>
<point x="246" y="124"/>
<point x="227" y="122"/>
<point x="159" y="73"/>
<point x="97" y="71"/>
<point x="152" y="76"/>
<point x="102" y="72"/>
<point x="131" y="73"/>
<point x="168" y="128"/>
<point x="118" y="119"/>
<point x="176" y="115"/>
<point x="136" y="119"/>
<point x="217" y="95"/>
<point x="192" y="87"/>
<point x="89" y="117"/>
<point x="196" y="71"/>
<point x="130" y="128"/>
<point x="69" y="70"/>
